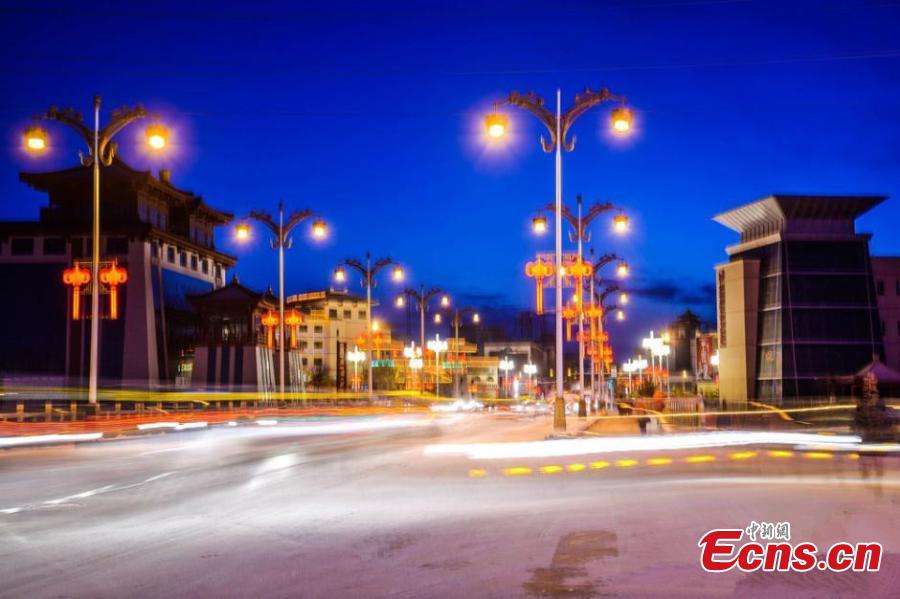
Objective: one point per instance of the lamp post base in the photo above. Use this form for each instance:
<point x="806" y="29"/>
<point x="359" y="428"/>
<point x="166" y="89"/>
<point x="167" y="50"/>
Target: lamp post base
<point x="559" y="415"/>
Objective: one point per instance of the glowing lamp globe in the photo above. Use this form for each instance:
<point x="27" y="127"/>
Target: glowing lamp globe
<point x="157" y="136"/>
<point x="622" y="119"/>
<point x="35" y="139"/>
<point x="340" y="275"/>
<point x="496" y="125"/>
<point x="319" y="229"/>
<point x="620" y="223"/>
<point x="539" y="224"/>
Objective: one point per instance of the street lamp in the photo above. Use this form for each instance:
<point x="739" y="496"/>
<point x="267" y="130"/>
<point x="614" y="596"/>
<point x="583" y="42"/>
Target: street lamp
<point x="101" y="150"/>
<point x="558" y="126"/>
<point x="622" y="269"/>
<point x="506" y="365"/>
<point x="414" y="355"/>
<point x="581" y="235"/>
<point x="368" y="271"/>
<point x="539" y="224"/>
<point x="421" y="298"/>
<point x="530" y="370"/>
<point x="355" y="356"/>
<point x="437" y="345"/>
<point x="282" y="241"/>
<point x="456" y="322"/>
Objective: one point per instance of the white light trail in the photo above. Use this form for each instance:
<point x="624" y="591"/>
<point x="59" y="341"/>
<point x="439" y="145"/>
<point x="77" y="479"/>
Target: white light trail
<point x="591" y="445"/>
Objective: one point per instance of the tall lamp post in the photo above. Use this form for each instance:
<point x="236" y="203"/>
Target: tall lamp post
<point x="282" y="241"/>
<point x="579" y="234"/>
<point x="101" y="150"/>
<point x="368" y="270"/>
<point x="458" y="315"/>
<point x="558" y="126"/>
<point x="356" y="356"/>
<point x="437" y="345"/>
<point x="422" y="298"/>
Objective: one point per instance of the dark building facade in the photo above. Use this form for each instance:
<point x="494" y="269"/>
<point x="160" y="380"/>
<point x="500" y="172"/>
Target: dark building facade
<point x="796" y="300"/>
<point x="160" y="235"/>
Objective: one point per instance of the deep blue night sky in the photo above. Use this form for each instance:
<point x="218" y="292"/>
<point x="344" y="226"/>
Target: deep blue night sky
<point x="371" y="114"/>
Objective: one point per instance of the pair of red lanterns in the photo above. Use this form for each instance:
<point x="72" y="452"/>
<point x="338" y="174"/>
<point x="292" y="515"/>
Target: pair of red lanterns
<point x="111" y="276"/>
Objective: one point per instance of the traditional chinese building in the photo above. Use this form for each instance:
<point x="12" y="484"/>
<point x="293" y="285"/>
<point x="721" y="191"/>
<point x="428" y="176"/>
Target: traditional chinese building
<point x="159" y="235"/>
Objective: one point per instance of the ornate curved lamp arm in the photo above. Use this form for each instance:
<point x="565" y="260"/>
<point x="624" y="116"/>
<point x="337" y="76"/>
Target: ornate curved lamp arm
<point x="266" y="219"/>
<point x="594" y="211"/>
<point x="566" y="214"/>
<point x="603" y="294"/>
<point x="121" y="117"/>
<point x="583" y="102"/>
<point x="603" y="261"/>
<point x="358" y="267"/>
<point x="534" y="104"/>
<point x="295" y="219"/>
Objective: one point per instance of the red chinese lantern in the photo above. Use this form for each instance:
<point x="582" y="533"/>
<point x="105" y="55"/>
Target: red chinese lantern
<point x="539" y="271"/>
<point x="293" y="318"/>
<point x="579" y="270"/>
<point x="570" y="313"/>
<point x="76" y="277"/>
<point x="270" y="321"/>
<point x="113" y="276"/>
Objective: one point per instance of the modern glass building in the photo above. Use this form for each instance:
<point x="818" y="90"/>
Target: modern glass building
<point x="796" y="300"/>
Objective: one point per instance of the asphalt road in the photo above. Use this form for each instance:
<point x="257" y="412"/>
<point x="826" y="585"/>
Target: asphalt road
<point x="360" y="508"/>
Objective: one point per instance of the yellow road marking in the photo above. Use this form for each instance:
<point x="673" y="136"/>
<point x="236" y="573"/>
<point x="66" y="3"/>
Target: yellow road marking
<point x="626" y="463"/>
<point x="780" y="453"/>
<point x="743" y="455"/>
<point x="697" y="459"/>
<point x="551" y="469"/>
<point x="576" y="467"/>
<point x="852" y="456"/>
<point x="659" y="461"/>
<point x="477" y="472"/>
<point x="818" y="455"/>
<point x="517" y="471"/>
<point x="600" y="465"/>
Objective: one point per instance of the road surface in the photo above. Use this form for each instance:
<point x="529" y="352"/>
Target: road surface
<point x="367" y="507"/>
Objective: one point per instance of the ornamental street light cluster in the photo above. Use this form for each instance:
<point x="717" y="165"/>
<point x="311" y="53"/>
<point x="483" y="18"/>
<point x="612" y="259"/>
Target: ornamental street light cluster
<point x="368" y="270"/>
<point x="101" y="151"/>
<point x="281" y="241"/>
<point x="497" y="125"/>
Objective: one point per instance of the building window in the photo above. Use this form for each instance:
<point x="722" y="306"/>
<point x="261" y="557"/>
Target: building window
<point x="204" y="267"/>
<point x="218" y="271"/>
<point x="193" y="262"/>
<point x="117" y="246"/>
<point x="22" y="246"/>
<point x="332" y="313"/>
<point x="348" y="314"/>
<point x="54" y="246"/>
<point x="182" y="259"/>
<point x="317" y="362"/>
<point x="170" y="254"/>
<point x="317" y="345"/>
<point x="317" y="328"/>
<point x="879" y="286"/>
<point x="362" y="314"/>
<point x="303" y="346"/>
<point x="304" y="328"/>
<point x="305" y="361"/>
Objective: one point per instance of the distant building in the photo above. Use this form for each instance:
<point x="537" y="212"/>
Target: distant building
<point x="886" y="272"/>
<point x="797" y="302"/>
<point x="691" y="364"/>
<point x="161" y="235"/>
<point x="334" y="322"/>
